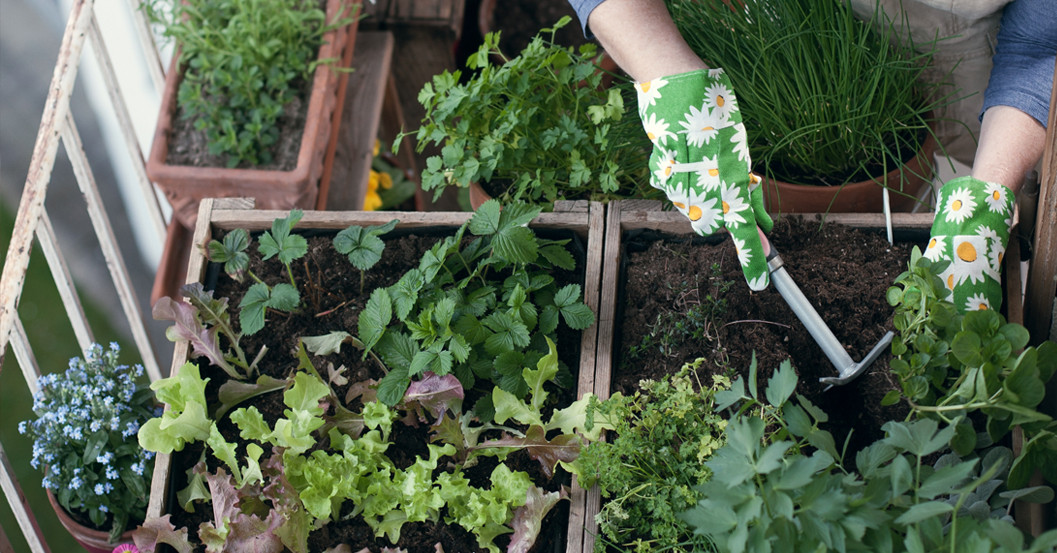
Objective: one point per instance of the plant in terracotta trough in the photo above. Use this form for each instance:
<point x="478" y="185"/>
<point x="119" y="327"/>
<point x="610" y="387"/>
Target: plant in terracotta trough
<point x="539" y="127"/>
<point x="485" y="296"/>
<point x="244" y="62"/>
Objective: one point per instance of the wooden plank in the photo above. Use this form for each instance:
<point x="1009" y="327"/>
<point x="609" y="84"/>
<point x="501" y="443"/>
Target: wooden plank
<point x="20" y="506"/>
<point x="1042" y="276"/>
<point x="361" y="119"/>
<point x="442" y="13"/>
<point x="31" y="205"/>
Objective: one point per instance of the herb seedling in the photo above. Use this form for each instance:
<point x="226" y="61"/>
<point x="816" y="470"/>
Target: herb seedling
<point x="278" y="241"/>
<point x="363" y="245"/>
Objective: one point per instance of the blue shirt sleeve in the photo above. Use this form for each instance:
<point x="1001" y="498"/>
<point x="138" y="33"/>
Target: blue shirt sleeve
<point x="583" y="9"/>
<point x="1022" y="76"/>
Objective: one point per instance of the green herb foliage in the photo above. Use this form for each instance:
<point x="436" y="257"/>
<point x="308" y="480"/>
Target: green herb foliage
<point x="541" y="124"/>
<point x="479" y="310"/>
<point x="648" y="472"/>
<point x="827" y="98"/>
<point x="244" y="61"/>
<point x="778" y="484"/>
<point x="971" y="368"/>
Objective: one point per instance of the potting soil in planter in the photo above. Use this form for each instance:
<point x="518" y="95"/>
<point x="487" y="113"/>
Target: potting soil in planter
<point x="331" y="300"/>
<point x="684" y="297"/>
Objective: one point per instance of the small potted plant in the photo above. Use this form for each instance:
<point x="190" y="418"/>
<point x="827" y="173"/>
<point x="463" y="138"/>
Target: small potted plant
<point x="833" y="105"/>
<point x="250" y="100"/>
<point x="537" y="128"/>
<point x="84" y="438"/>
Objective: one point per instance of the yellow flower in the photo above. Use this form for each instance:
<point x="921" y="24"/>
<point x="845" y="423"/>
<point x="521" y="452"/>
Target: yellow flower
<point x="372" y="201"/>
<point x="372" y="181"/>
<point x="377" y="147"/>
<point x="385" y="180"/>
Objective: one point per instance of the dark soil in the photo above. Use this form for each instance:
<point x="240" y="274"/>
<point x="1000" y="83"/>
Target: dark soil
<point x="330" y="289"/>
<point x="519" y="22"/>
<point x="844" y="272"/>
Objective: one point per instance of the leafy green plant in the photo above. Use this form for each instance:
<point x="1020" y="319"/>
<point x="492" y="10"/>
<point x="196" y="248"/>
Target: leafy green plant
<point x="244" y="61"/>
<point x="961" y="368"/>
<point x="479" y="309"/>
<point x="649" y="469"/>
<point x="540" y="125"/>
<point x="276" y="242"/>
<point x="363" y="245"/>
<point x="826" y="98"/>
<point x="778" y="483"/>
<point x="317" y="465"/>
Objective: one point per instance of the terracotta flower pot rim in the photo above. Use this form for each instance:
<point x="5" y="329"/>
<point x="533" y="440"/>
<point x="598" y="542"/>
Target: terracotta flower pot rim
<point x="861" y="196"/>
<point x="95" y="541"/>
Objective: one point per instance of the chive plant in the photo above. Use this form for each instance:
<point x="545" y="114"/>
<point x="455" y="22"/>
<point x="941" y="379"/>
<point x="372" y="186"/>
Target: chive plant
<point x="827" y="98"/>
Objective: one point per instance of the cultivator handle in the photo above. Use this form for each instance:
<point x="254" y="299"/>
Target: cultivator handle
<point x="847" y="368"/>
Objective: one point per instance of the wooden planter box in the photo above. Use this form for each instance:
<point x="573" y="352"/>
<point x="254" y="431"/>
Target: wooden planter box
<point x="185" y="186"/>
<point x="630" y="215"/>
<point x="584" y="219"/>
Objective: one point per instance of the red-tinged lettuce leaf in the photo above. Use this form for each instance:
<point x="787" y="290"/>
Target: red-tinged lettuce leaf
<point x="296" y="522"/>
<point x="528" y="518"/>
<point x="189" y="329"/>
<point x="250" y="534"/>
<point x="564" y="448"/>
<point x="435" y="394"/>
<point x="159" y="530"/>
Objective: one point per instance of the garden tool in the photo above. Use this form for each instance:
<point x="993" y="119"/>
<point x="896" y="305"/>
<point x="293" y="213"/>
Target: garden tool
<point x="847" y="369"/>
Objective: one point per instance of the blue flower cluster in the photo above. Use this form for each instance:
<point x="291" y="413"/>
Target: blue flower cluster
<point x="84" y="437"/>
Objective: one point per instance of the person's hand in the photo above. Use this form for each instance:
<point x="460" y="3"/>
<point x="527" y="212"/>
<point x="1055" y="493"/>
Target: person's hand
<point x="701" y="161"/>
<point x="971" y="231"/>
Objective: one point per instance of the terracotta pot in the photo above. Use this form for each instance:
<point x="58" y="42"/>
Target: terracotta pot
<point x="185" y="186"/>
<point x="859" y="197"/>
<point x="478" y="195"/>
<point x="95" y="541"/>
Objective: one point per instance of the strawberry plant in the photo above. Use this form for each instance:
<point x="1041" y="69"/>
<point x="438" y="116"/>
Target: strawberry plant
<point x="477" y="308"/>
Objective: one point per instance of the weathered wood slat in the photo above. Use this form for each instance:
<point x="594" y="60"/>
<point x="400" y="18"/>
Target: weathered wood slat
<point x="108" y="244"/>
<point x="1042" y="277"/>
<point x="361" y="118"/>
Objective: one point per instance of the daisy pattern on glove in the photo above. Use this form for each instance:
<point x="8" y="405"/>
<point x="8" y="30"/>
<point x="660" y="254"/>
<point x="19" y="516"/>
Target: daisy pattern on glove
<point x="996" y="197"/>
<point x="703" y="167"/>
<point x="701" y="126"/>
<point x="971" y="232"/>
<point x="656" y="130"/>
<point x="960" y="206"/>
<point x="648" y="92"/>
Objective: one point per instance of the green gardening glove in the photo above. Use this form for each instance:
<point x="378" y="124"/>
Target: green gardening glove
<point x="971" y="230"/>
<point x="701" y="160"/>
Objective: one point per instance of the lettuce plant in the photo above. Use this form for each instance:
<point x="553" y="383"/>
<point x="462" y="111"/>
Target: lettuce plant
<point x="318" y="471"/>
